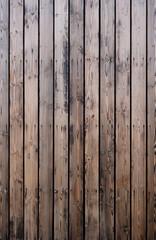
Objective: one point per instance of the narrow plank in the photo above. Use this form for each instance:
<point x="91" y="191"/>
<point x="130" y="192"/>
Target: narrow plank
<point x="123" y="119"/>
<point x="107" y="120"/>
<point x="138" y="119"/>
<point x="16" y="119"/>
<point x="31" y="120"/>
<point x="151" y="160"/>
<point x="61" y="121"/>
<point x="76" y="119"/>
<point x="46" y="121"/>
<point x="91" y="119"/>
<point x="4" y="119"/>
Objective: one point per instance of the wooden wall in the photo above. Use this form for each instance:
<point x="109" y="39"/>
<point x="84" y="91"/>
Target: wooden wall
<point x="77" y="119"/>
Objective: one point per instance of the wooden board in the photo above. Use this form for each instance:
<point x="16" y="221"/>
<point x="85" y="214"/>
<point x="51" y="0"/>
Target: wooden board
<point x="4" y="123"/>
<point x="46" y="121"/>
<point x="138" y="119"/>
<point x="107" y="120"/>
<point x="151" y="94"/>
<point x="123" y="119"/>
<point x="61" y="121"/>
<point x="76" y="119"/>
<point x="16" y="119"/>
<point x="91" y="119"/>
<point x="31" y="121"/>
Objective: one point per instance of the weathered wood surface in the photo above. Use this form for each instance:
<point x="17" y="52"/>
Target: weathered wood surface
<point x="107" y="80"/>
<point x="151" y="120"/>
<point x="138" y="190"/>
<point x="46" y="121"/>
<point x="76" y="118"/>
<point x="4" y="123"/>
<point x="91" y="119"/>
<point x="16" y="119"/>
<point x="61" y="121"/>
<point x="123" y="119"/>
<point x="31" y="120"/>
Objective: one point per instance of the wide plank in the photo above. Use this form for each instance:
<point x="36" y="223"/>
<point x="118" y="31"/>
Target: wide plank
<point x="16" y="119"/>
<point x="61" y="121"/>
<point x="76" y="118"/>
<point x="92" y="119"/>
<point x="123" y="119"/>
<point x="31" y="120"/>
<point x="138" y="119"/>
<point x="107" y="80"/>
<point x="46" y="121"/>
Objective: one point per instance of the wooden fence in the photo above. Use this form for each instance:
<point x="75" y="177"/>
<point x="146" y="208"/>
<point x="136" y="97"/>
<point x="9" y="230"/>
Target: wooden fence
<point x="77" y="119"/>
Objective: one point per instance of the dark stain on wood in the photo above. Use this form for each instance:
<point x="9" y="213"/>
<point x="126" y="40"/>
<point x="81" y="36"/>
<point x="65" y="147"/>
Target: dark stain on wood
<point x="77" y="119"/>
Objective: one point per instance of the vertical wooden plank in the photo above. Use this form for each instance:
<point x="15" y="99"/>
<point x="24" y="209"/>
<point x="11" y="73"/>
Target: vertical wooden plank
<point x="16" y="119"/>
<point x="46" y="121"/>
<point x="4" y="119"/>
<point x="138" y="119"/>
<point x="31" y="120"/>
<point x="107" y="120"/>
<point x="76" y="119"/>
<point x="123" y="119"/>
<point x="151" y="93"/>
<point x="92" y="119"/>
<point x="61" y="121"/>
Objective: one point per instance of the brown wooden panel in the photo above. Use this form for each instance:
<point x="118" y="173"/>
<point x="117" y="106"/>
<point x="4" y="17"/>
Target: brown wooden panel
<point x="74" y="112"/>
<point x="138" y="119"/>
<point x="123" y="119"/>
<point x="16" y="119"/>
<point x="76" y="119"/>
<point x="46" y="121"/>
<point x="151" y="93"/>
<point x="92" y="119"/>
<point x="4" y="124"/>
<point x="107" y="120"/>
<point x="31" y="120"/>
<point x="61" y="121"/>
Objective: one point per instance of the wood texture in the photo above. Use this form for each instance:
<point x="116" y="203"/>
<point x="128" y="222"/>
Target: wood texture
<point x="91" y="119"/>
<point x="107" y="120"/>
<point x="31" y="121"/>
<point x="61" y="121"/>
<point x="123" y="119"/>
<point x="76" y="118"/>
<point x="138" y="119"/>
<point x="16" y="119"/>
<point x="4" y="123"/>
<point x="46" y="121"/>
<point x="151" y="107"/>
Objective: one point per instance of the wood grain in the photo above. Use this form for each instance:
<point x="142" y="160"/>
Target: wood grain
<point x="46" y="121"/>
<point x="61" y="121"/>
<point x="16" y="119"/>
<point x="31" y="121"/>
<point x="138" y="119"/>
<point x="123" y="119"/>
<point x="151" y="94"/>
<point x="4" y="123"/>
<point x="91" y="119"/>
<point x="107" y="120"/>
<point x="76" y="119"/>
